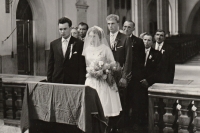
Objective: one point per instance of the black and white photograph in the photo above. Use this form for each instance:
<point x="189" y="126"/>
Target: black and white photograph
<point x="99" y="66"/>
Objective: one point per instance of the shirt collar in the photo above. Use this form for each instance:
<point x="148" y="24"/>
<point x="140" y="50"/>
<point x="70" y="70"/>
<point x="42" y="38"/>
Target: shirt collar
<point x="147" y="49"/>
<point x="115" y="34"/>
<point x="63" y="39"/>
<point x="160" y="45"/>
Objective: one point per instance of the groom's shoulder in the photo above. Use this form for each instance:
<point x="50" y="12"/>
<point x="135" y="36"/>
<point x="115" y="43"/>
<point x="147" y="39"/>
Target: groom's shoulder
<point x="56" y="41"/>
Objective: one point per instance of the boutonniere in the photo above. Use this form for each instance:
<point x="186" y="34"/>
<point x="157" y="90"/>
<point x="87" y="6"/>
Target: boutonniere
<point x="150" y="56"/>
<point x="162" y="51"/>
<point x="115" y="44"/>
<point x="71" y="48"/>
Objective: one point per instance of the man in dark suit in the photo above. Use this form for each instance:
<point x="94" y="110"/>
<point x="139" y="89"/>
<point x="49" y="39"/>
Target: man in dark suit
<point x="152" y="59"/>
<point x="82" y="30"/>
<point x="166" y="68"/>
<point x="66" y="63"/>
<point x="138" y="59"/>
<point x="121" y="47"/>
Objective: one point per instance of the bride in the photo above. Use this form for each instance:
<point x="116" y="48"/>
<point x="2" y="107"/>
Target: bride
<point x="96" y="48"/>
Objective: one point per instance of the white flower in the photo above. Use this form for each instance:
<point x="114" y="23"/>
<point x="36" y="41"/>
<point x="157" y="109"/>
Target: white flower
<point x="194" y="108"/>
<point x="107" y="71"/>
<point x="162" y="51"/>
<point x="114" y="68"/>
<point x="101" y="63"/>
<point x="87" y="75"/>
<point x="104" y="76"/>
<point x="178" y="107"/>
<point x="150" y="56"/>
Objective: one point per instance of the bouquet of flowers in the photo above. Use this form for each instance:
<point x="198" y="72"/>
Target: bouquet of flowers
<point x="109" y="72"/>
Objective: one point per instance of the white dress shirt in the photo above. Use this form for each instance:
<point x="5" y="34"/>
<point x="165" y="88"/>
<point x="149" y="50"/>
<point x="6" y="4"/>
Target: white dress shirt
<point x="159" y="46"/>
<point x="147" y="54"/>
<point x="112" y="38"/>
<point x="65" y="43"/>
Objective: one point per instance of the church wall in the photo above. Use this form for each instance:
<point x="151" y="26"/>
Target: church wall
<point x="186" y="7"/>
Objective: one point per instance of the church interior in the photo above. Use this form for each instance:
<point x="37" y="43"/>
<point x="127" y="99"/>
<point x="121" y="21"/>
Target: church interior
<point x="28" y="26"/>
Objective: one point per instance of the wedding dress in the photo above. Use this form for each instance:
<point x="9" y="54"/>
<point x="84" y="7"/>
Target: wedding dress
<point x="109" y="97"/>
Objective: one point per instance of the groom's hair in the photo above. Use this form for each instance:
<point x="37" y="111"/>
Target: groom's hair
<point x="65" y="20"/>
<point x="113" y="17"/>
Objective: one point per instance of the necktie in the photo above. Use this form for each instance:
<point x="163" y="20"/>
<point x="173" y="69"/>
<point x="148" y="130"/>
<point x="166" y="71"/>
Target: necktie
<point x="64" y="47"/>
<point x="147" y="53"/>
<point x="112" y="41"/>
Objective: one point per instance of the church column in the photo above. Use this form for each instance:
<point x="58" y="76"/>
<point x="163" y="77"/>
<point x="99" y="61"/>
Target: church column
<point x="163" y="15"/>
<point x="82" y="7"/>
<point x="174" y="17"/>
<point x="139" y="16"/>
<point x="102" y="14"/>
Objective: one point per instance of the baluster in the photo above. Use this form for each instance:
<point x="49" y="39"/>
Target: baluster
<point x="156" y="116"/>
<point x="197" y="118"/>
<point x="161" y="112"/>
<point x="184" y="119"/>
<point x="8" y="103"/>
<point x="18" y="102"/>
<point x="168" y="117"/>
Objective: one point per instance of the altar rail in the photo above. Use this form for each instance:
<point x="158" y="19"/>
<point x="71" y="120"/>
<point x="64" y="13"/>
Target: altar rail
<point x="174" y="108"/>
<point x="11" y="96"/>
<point x="185" y="46"/>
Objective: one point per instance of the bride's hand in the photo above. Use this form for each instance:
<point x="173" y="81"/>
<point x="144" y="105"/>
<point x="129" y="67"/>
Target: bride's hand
<point x="123" y="83"/>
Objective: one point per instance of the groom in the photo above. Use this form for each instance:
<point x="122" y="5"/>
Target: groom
<point x="66" y="63"/>
<point x="121" y="47"/>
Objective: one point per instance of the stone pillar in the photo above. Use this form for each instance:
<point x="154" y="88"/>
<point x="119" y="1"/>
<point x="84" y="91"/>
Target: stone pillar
<point x="139" y="16"/>
<point x="163" y="14"/>
<point x="174" y="17"/>
<point x="82" y="7"/>
<point x="102" y="14"/>
<point x="135" y="15"/>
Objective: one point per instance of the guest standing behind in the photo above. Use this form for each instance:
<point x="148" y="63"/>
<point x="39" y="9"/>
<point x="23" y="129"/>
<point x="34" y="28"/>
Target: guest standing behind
<point x="166" y="67"/>
<point x="121" y="48"/>
<point x="152" y="60"/>
<point x="74" y="32"/>
<point x="82" y="30"/>
<point x="138" y="59"/>
<point x="66" y="63"/>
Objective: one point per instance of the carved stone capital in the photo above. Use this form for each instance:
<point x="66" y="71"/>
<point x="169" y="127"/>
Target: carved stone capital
<point x="81" y="4"/>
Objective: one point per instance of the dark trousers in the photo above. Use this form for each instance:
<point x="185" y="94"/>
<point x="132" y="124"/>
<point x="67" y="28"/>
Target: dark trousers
<point x="138" y="102"/>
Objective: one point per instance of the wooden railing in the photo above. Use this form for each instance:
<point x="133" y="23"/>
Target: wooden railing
<point x="174" y="108"/>
<point x="11" y="96"/>
<point x="185" y="47"/>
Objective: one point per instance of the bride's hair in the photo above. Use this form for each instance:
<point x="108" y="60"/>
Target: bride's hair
<point x="95" y="31"/>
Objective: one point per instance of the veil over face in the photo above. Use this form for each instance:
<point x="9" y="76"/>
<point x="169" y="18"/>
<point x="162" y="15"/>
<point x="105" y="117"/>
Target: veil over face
<point x="95" y="37"/>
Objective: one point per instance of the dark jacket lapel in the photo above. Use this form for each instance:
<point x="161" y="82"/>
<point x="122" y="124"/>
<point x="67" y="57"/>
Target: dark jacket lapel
<point x="60" y="47"/>
<point x="117" y="39"/>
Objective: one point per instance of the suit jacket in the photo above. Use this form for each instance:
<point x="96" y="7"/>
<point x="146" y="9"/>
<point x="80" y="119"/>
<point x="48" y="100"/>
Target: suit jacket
<point x="62" y="69"/>
<point x="151" y="66"/>
<point x="138" y="50"/>
<point x="122" y="53"/>
<point x="166" y="67"/>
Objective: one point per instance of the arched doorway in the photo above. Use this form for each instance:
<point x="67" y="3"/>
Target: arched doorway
<point x="196" y="23"/>
<point x="152" y="16"/>
<point x="24" y="38"/>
